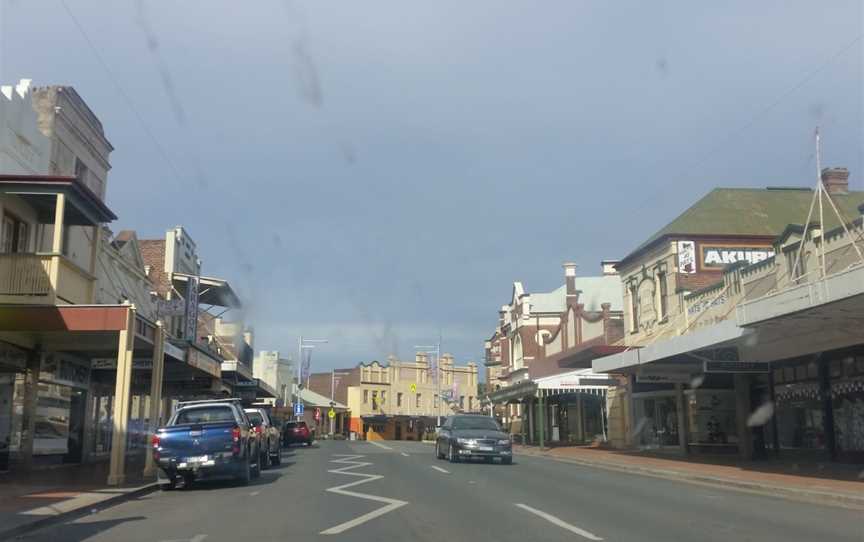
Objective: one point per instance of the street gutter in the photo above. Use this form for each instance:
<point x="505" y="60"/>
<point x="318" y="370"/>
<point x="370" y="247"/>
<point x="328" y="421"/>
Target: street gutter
<point x="843" y="500"/>
<point x="75" y="513"/>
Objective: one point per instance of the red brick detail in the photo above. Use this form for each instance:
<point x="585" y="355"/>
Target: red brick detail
<point x="153" y="254"/>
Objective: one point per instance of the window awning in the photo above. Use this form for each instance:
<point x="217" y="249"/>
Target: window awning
<point x="211" y="291"/>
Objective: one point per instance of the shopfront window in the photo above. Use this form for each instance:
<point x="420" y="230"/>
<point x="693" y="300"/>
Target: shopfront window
<point x="847" y="399"/>
<point x="657" y="419"/>
<point x="799" y="407"/>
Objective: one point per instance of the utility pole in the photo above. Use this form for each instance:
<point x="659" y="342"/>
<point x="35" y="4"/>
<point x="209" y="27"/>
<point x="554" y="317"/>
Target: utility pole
<point x="303" y="344"/>
<point x="332" y="402"/>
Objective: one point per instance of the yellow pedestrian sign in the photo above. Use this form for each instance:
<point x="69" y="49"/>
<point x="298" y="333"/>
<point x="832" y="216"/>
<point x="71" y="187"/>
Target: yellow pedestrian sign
<point x="413" y="388"/>
<point x="331" y="413"/>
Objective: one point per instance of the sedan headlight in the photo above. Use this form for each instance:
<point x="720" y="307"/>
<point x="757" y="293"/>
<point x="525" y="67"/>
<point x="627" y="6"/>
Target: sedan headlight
<point x="504" y="442"/>
<point x="467" y="441"/>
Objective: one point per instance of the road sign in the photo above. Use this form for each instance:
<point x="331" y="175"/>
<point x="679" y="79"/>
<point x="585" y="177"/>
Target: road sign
<point x="298" y="409"/>
<point x="317" y="414"/>
<point x="413" y="388"/>
<point x="331" y="413"/>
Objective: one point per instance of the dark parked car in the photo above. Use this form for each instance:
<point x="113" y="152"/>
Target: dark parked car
<point x="295" y="432"/>
<point x="269" y="436"/>
<point x="206" y="439"/>
<point x="467" y="436"/>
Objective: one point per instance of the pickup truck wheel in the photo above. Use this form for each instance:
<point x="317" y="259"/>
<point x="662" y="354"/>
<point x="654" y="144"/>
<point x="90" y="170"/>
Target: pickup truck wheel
<point x="264" y="458"/>
<point x="244" y="475"/>
<point x="256" y="470"/>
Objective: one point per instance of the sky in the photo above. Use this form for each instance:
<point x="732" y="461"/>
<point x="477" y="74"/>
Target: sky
<point x="379" y="173"/>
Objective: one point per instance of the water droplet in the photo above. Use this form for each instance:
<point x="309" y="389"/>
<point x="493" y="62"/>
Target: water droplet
<point x="697" y="381"/>
<point x="761" y="415"/>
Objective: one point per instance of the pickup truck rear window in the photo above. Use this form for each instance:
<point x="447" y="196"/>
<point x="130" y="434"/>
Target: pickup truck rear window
<point x="254" y="418"/>
<point x="205" y="414"/>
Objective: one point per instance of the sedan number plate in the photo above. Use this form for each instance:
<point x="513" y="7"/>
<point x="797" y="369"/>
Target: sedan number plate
<point x="485" y="448"/>
<point x="197" y="459"/>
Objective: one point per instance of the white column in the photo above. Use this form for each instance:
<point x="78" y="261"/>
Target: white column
<point x="155" y="394"/>
<point x="125" y="349"/>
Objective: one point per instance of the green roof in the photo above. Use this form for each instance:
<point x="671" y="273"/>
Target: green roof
<point x="753" y="212"/>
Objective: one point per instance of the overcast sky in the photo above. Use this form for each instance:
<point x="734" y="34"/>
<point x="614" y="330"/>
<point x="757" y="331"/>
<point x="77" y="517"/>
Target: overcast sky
<point x="381" y="172"/>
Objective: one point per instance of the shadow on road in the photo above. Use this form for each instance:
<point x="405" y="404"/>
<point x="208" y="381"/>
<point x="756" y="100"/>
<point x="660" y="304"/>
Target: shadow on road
<point x="76" y="532"/>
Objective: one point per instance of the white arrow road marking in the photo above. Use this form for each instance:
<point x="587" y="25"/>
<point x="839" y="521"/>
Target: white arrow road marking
<point x="351" y="463"/>
<point x="382" y="446"/>
<point x="561" y="523"/>
<point x="439" y="469"/>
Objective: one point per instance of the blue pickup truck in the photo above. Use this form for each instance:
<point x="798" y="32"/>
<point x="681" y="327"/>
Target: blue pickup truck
<point x="206" y="439"/>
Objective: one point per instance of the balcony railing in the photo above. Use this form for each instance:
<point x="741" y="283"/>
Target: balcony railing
<point x="43" y="279"/>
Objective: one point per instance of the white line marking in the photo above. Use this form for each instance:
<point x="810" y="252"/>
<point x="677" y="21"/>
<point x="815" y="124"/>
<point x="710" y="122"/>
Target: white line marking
<point x="563" y="524"/>
<point x="349" y="461"/>
<point x="382" y="446"/>
<point x="403" y="453"/>
<point x="439" y="469"/>
<point x="254" y="493"/>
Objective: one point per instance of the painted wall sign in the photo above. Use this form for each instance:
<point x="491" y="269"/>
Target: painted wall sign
<point x="686" y="257"/>
<point x="191" y="325"/>
<point x="718" y="257"/>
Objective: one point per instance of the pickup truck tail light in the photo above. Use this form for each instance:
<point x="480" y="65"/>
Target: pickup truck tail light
<point x="154" y="442"/>
<point x="235" y="440"/>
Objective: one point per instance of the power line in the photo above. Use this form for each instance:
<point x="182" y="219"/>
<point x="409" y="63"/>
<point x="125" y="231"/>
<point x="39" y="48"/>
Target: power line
<point x="767" y="108"/>
<point x="126" y="98"/>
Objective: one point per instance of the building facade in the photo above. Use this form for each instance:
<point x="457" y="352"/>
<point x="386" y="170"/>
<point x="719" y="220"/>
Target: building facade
<point x="705" y="369"/>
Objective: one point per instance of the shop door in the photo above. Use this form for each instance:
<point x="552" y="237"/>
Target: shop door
<point x="77" y="402"/>
<point x="659" y="422"/>
<point x="6" y="387"/>
<point x="398" y="431"/>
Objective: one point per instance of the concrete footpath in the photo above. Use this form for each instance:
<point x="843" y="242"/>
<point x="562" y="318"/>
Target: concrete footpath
<point x="39" y="497"/>
<point x="841" y="485"/>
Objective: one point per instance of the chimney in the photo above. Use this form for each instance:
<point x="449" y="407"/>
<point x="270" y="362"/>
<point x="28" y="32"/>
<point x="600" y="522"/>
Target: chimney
<point x="608" y="267"/>
<point x="570" y="277"/>
<point x="836" y="180"/>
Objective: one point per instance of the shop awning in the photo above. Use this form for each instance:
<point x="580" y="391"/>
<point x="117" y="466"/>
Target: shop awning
<point x="725" y="333"/>
<point x="579" y="357"/>
<point x="523" y="389"/>
<point x="312" y="399"/>
<point x="211" y="291"/>
<point x="580" y="379"/>
<point x="236" y="370"/>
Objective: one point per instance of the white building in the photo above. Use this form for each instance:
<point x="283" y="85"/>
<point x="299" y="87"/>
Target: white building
<point x="278" y="372"/>
<point x="23" y="148"/>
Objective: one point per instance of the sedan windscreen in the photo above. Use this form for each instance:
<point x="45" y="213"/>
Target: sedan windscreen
<point x="479" y="422"/>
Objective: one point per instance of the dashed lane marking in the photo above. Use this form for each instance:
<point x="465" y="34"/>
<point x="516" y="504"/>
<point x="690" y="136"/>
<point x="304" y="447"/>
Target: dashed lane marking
<point x="378" y="444"/>
<point x="439" y="469"/>
<point x="254" y="493"/>
<point x="404" y="454"/>
<point x="350" y="462"/>
<point x="559" y="522"/>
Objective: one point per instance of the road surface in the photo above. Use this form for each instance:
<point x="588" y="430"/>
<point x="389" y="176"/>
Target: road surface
<point x="393" y="491"/>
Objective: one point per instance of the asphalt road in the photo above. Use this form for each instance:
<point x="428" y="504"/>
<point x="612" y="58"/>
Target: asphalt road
<point x="399" y="491"/>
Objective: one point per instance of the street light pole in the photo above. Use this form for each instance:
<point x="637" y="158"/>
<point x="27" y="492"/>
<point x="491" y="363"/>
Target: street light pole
<point x="303" y="344"/>
<point x="435" y="349"/>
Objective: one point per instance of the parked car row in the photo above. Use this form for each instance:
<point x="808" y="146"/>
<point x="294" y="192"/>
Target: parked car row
<point x="215" y="439"/>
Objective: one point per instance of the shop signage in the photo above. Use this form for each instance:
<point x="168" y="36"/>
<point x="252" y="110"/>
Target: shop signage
<point x="686" y="257"/>
<point x="656" y="376"/>
<point x="174" y="352"/>
<point x="718" y="257"/>
<point x="201" y="361"/>
<point x="170" y="307"/>
<point x="191" y="330"/>
<point x="752" y="367"/>
<point x="111" y="363"/>
<point x="12" y="357"/>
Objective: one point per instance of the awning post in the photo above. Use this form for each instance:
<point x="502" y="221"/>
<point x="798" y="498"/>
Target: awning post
<point x="122" y="402"/>
<point x="155" y="393"/>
